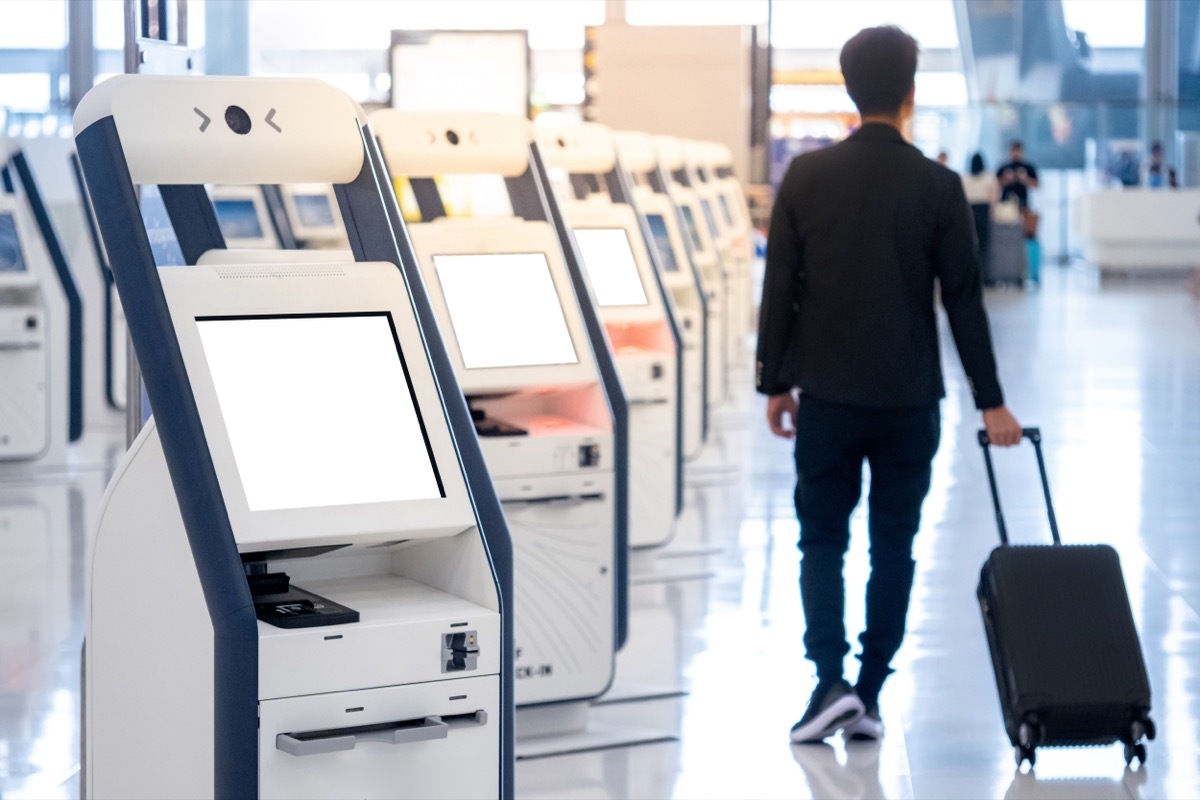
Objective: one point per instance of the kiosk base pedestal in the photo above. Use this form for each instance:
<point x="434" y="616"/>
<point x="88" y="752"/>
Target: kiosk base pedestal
<point x="566" y="729"/>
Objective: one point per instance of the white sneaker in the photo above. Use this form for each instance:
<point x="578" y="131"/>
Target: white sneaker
<point x="867" y="728"/>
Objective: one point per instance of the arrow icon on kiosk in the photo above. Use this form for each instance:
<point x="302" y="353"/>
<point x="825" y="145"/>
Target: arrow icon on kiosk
<point x="270" y="117"/>
<point x="205" y="117"/>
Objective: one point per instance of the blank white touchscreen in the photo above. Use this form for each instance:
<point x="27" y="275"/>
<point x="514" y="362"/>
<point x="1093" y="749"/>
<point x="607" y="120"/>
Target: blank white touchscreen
<point x="505" y="310"/>
<point x="608" y="259"/>
<point x="319" y="410"/>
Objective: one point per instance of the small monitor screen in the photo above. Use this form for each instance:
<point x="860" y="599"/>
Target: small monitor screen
<point x="11" y="258"/>
<point x="689" y="222"/>
<point x="314" y="210"/>
<point x="725" y="210"/>
<point x="709" y="218"/>
<point x="238" y="219"/>
<point x="662" y="242"/>
<point x="319" y="409"/>
<point x="610" y="266"/>
<point x="505" y="310"/>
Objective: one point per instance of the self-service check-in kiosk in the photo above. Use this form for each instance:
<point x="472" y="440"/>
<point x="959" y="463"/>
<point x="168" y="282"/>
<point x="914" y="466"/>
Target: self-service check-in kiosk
<point x="313" y="216"/>
<point x="244" y="217"/>
<point x="706" y="257"/>
<point x="637" y="313"/>
<point x="301" y="581"/>
<point x="544" y="391"/>
<point x="639" y="157"/>
<point x="41" y="395"/>
<point x="24" y="349"/>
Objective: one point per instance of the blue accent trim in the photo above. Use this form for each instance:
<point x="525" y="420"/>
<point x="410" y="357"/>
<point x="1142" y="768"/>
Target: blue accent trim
<point x="609" y="376"/>
<point x="277" y="211"/>
<point x="66" y="280"/>
<point x="620" y="190"/>
<point x="378" y="233"/>
<point x="201" y="504"/>
<point x="89" y="214"/>
<point x="6" y="180"/>
<point x="429" y="199"/>
<point x="194" y="220"/>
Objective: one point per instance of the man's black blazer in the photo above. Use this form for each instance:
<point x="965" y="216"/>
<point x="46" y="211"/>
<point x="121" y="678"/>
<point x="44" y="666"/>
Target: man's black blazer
<point x="859" y="234"/>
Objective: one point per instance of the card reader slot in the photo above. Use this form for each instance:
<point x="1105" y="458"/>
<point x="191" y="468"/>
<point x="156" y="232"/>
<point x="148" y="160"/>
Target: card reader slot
<point x="405" y="731"/>
<point x="552" y="501"/>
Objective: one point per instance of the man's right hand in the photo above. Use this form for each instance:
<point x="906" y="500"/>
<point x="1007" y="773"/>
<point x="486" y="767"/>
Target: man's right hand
<point x="781" y="414"/>
<point x="1002" y="427"/>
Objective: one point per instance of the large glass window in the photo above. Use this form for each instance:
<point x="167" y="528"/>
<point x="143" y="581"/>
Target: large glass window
<point x="827" y="24"/>
<point x="1110" y="23"/>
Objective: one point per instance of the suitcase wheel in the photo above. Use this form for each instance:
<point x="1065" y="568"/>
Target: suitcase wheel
<point x="1021" y="754"/>
<point x="1133" y="751"/>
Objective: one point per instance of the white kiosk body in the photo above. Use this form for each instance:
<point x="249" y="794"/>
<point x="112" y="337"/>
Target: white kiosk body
<point x="746" y="236"/>
<point x="24" y="348"/>
<point x="309" y="422"/>
<point x="630" y="299"/>
<point x="706" y="258"/>
<point x="516" y="334"/>
<point x="638" y="155"/>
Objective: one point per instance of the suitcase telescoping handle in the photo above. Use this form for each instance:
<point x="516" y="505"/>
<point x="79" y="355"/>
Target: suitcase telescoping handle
<point x="1034" y="435"/>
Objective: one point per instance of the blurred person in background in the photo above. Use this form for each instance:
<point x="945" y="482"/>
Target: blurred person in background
<point x="1159" y="174"/>
<point x="982" y="192"/>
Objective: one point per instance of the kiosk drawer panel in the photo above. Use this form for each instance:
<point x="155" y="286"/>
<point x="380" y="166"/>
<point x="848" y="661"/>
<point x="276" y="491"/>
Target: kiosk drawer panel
<point x="546" y="454"/>
<point x="400" y="638"/>
<point x="432" y="740"/>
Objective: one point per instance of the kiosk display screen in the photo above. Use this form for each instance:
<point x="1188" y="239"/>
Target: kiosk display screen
<point x="689" y="222"/>
<point x="662" y="242"/>
<point x="314" y="211"/>
<point x="238" y="219"/>
<point x="725" y="210"/>
<point x="319" y="409"/>
<point x="709" y="218"/>
<point x="11" y="258"/>
<point x="611" y="268"/>
<point x="505" y="310"/>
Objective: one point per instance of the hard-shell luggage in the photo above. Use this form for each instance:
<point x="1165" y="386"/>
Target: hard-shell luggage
<point x="1068" y="663"/>
<point x="1006" y="262"/>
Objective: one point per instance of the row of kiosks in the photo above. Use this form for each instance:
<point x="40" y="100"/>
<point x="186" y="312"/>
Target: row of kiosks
<point x="680" y="276"/>
<point x="695" y="215"/>
<point x="595" y="194"/>
<point x="301" y="582"/>
<point x="41" y="326"/>
<point x="544" y="392"/>
<point x="731" y="236"/>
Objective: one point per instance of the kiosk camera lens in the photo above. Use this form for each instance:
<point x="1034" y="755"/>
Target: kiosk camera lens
<point x="238" y="120"/>
<point x="452" y="137"/>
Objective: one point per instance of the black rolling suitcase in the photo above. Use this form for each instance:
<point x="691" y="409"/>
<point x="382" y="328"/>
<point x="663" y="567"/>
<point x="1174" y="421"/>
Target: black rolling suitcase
<point x="1068" y="662"/>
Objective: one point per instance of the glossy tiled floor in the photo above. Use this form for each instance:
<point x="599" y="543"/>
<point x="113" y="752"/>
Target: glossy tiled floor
<point x="1112" y="375"/>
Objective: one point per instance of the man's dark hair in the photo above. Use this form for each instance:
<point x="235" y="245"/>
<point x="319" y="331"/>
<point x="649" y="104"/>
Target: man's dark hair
<point x="977" y="164"/>
<point x="1016" y="144"/>
<point x="880" y="66"/>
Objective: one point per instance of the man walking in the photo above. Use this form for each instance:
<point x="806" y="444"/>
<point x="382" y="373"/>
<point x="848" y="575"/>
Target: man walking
<point x="848" y="355"/>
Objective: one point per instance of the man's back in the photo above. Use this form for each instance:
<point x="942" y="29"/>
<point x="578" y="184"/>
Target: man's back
<point x="863" y="228"/>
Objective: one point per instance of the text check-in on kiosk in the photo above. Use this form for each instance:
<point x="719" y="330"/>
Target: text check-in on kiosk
<point x="300" y="585"/>
<point x="662" y="227"/>
<point x="637" y="317"/>
<point x="529" y="367"/>
<point x="706" y="257"/>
